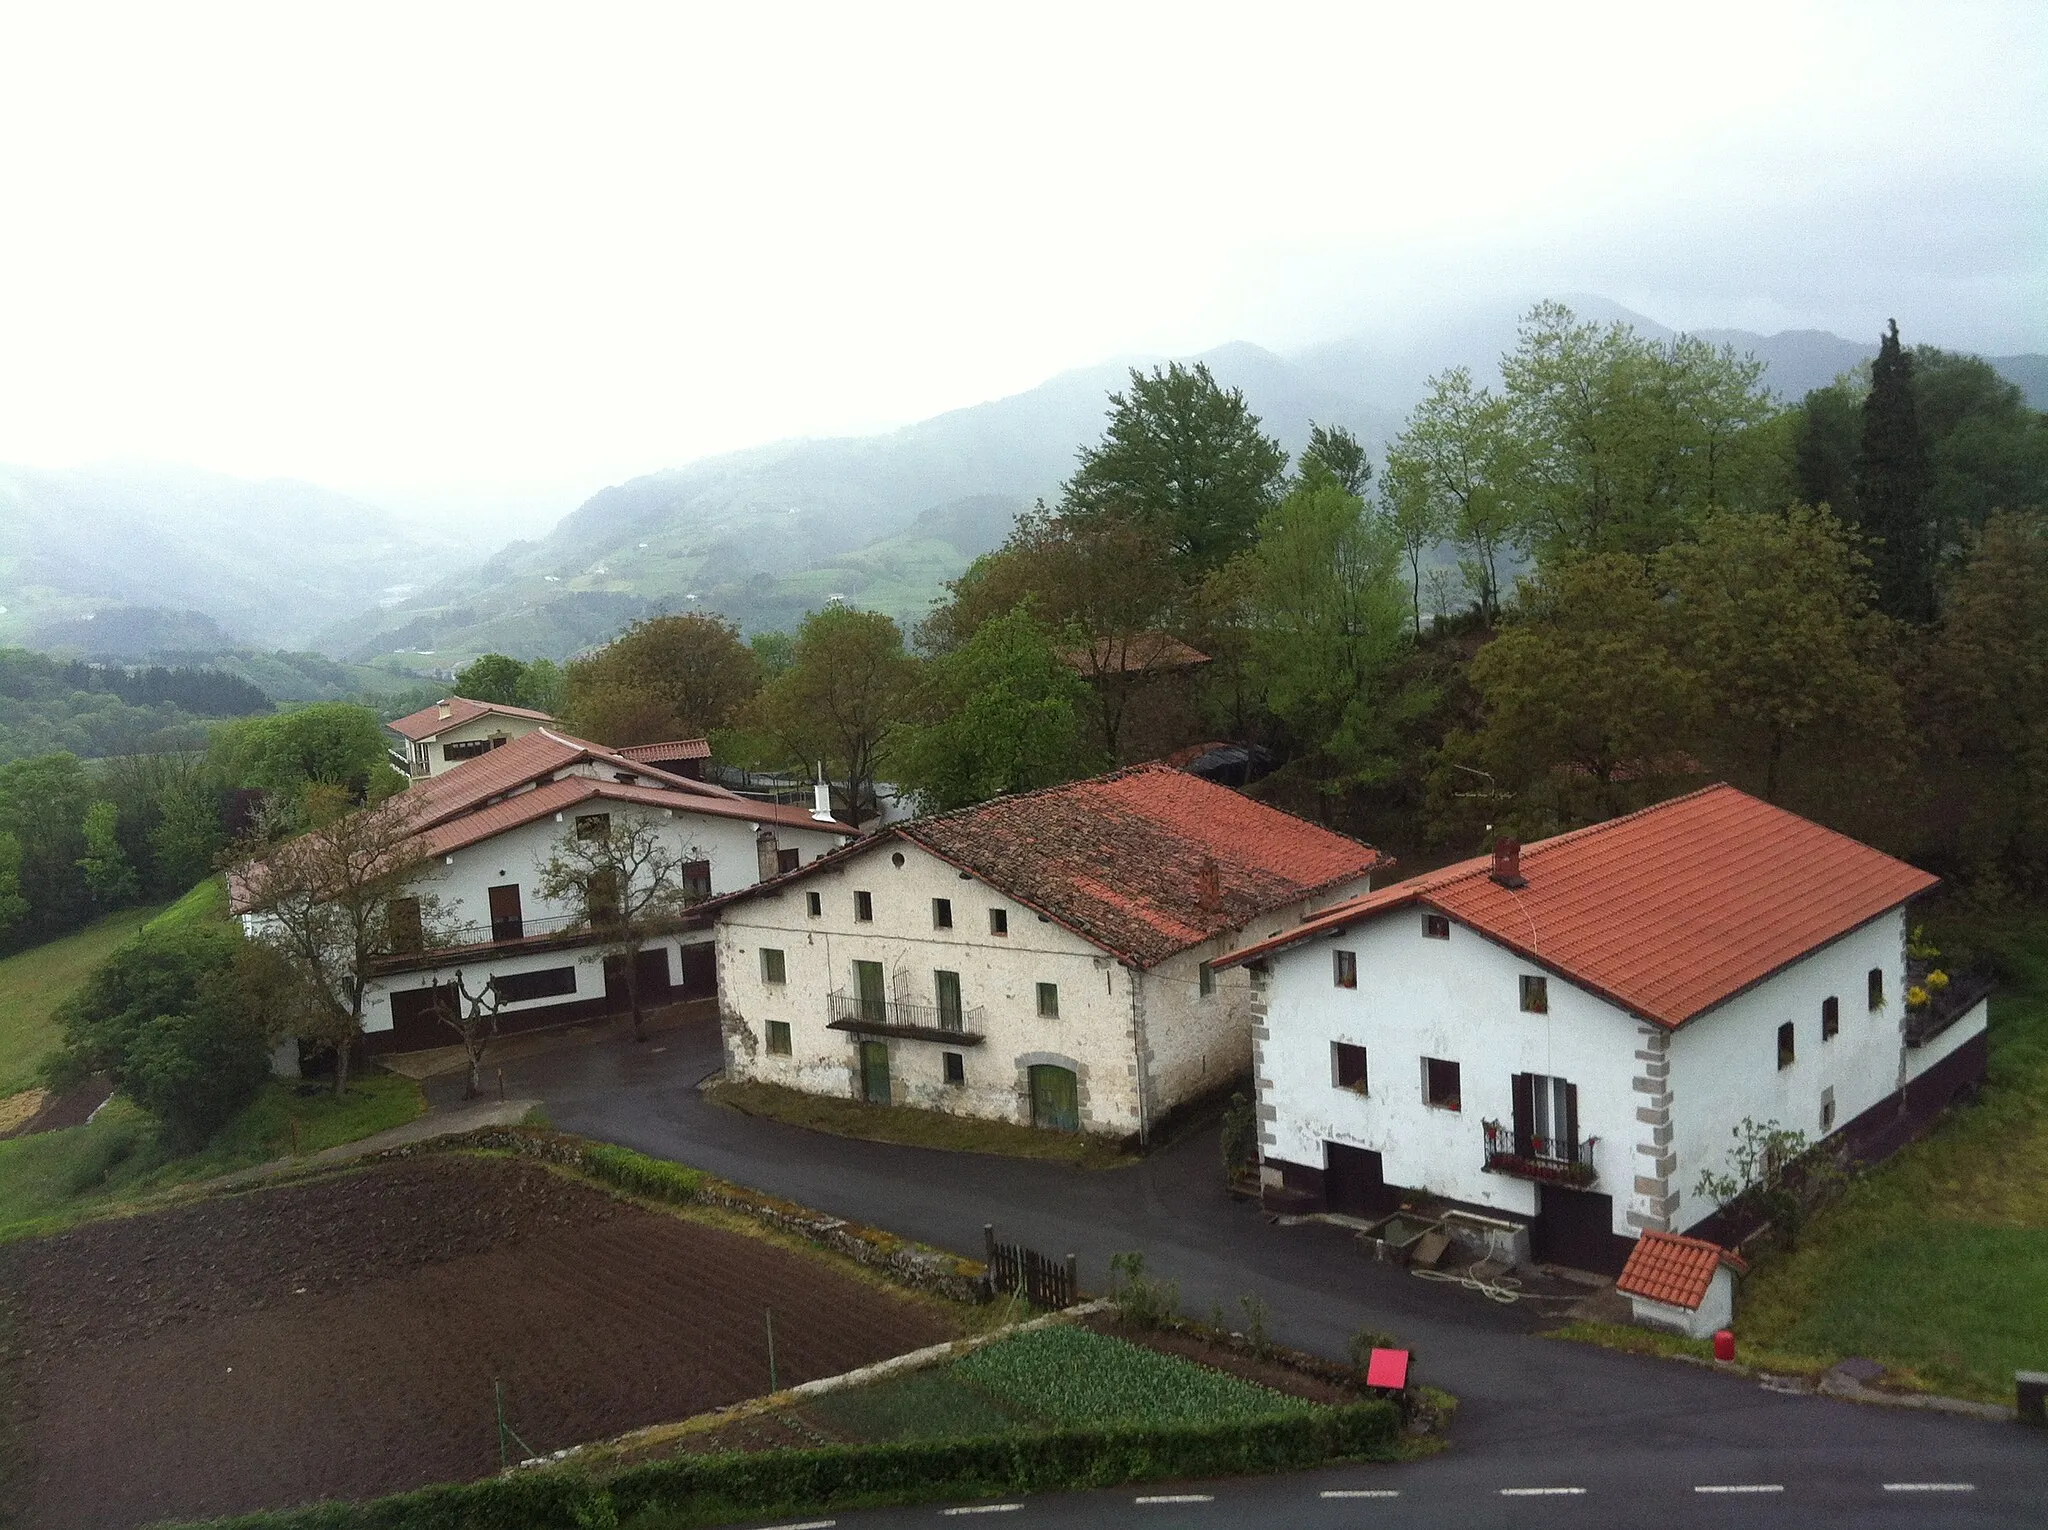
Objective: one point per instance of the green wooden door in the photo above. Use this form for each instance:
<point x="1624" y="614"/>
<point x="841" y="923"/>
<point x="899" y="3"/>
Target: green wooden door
<point x="1055" y="1098"/>
<point x="948" y="986"/>
<point x="874" y="1072"/>
<point x="869" y="991"/>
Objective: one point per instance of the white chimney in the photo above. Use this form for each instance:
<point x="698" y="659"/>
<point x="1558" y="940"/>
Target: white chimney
<point x="821" y="797"/>
<point x="443" y="710"/>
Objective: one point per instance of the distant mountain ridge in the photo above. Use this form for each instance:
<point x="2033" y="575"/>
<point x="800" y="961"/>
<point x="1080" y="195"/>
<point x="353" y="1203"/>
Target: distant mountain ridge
<point x="264" y="563"/>
<point x="883" y="521"/>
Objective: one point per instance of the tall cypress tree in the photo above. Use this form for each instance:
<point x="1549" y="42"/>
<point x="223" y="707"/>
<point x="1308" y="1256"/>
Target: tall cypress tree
<point x="1892" y="487"/>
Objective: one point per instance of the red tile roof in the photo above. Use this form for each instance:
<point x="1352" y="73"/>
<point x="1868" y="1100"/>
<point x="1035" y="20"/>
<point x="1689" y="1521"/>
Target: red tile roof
<point x="1666" y="1267"/>
<point x="428" y="721"/>
<point x="1142" y="653"/>
<point x="1144" y="862"/>
<point x="515" y="784"/>
<point x="1666" y="912"/>
<point x="675" y="749"/>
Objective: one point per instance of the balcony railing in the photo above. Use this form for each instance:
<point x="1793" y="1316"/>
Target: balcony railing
<point x="452" y="941"/>
<point x="1944" y="1007"/>
<point x="1527" y="1156"/>
<point x="915" y="1022"/>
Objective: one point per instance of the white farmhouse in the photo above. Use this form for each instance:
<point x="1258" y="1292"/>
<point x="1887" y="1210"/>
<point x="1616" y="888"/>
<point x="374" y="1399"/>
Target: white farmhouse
<point x="455" y="730"/>
<point x="1561" y="1037"/>
<point x="1045" y="958"/>
<point x="491" y="823"/>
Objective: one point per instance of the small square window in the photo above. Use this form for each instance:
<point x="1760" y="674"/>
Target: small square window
<point x="593" y="825"/>
<point x="773" y="969"/>
<point x="956" y="1067"/>
<point x="1440" y="1084"/>
<point x="1830" y="1018"/>
<point x="787" y="860"/>
<point x="998" y="921"/>
<point x="1347" y="1066"/>
<point x="1205" y="980"/>
<point x="1535" y="994"/>
<point x="1787" y="1050"/>
<point x="814" y="904"/>
<point x="1049" y="1000"/>
<point x="1345" y="968"/>
<point x="942" y="913"/>
<point x="778" y="1038"/>
<point x="1436" y="926"/>
<point x="1875" y="983"/>
<point x="864" y="907"/>
<point x="1827" y="1110"/>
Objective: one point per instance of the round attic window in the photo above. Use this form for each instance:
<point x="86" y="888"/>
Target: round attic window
<point x="896" y="859"/>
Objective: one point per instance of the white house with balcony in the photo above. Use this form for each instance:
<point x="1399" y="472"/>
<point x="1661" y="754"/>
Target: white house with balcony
<point x="1562" y="1036"/>
<point x="491" y="824"/>
<point x="455" y="730"/>
<point x="1046" y="959"/>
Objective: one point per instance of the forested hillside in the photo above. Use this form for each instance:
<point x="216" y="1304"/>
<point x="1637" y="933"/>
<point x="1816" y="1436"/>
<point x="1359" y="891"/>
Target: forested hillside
<point x="764" y="536"/>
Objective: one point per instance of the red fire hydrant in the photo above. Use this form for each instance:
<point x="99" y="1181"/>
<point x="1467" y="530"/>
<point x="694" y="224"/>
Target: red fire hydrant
<point x="1724" y="1346"/>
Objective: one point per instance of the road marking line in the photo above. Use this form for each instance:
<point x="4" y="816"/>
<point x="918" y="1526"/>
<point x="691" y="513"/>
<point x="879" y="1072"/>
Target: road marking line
<point x="1177" y="1498"/>
<point x="984" y="1508"/>
<point x="1541" y="1492"/>
<point x="1739" y="1487"/>
<point x="1930" y="1487"/>
<point x="809" y="1524"/>
<point x="1361" y="1492"/>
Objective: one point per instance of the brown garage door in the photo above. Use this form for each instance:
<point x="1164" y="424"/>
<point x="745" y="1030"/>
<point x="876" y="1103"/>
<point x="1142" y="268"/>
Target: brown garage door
<point x="416" y="1021"/>
<point x="700" y="971"/>
<point x="1354" y="1183"/>
<point x="1576" y="1228"/>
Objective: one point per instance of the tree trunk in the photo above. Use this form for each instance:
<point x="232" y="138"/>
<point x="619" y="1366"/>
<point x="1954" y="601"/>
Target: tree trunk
<point x="343" y="1049"/>
<point x="633" y="994"/>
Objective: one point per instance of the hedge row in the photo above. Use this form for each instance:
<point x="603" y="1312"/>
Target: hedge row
<point x="704" y="1489"/>
<point x="655" y="1178"/>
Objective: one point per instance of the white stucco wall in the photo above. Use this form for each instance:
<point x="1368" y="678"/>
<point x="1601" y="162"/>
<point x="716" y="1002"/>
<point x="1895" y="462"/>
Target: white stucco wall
<point x="1715" y="1311"/>
<point x="486" y="726"/>
<point x="998" y="976"/>
<point x="1724" y="1064"/>
<point x="1662" y="1105"/>
<point x="1458" y="1000"/>
<point x="1965" y="1028"/>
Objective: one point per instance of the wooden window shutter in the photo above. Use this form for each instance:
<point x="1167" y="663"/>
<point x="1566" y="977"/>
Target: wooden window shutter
<point x="1525" y="1114"/>
<point x="1571" y="1123"/>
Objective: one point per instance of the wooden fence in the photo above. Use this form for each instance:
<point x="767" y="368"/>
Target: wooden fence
<point x="1048" y="1283"/>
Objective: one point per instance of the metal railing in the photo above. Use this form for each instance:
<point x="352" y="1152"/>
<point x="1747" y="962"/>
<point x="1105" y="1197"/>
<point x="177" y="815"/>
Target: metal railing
<point x="1528" y="1156"/>
<point x="849" y="1011"/>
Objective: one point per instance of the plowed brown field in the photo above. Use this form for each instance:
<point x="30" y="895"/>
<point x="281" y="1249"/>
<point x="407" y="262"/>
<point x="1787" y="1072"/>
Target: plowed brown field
<point x="340" y="1339"/>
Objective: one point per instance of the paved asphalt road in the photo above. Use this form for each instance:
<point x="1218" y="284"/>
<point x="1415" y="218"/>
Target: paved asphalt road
<point x="1639" y="1436"/>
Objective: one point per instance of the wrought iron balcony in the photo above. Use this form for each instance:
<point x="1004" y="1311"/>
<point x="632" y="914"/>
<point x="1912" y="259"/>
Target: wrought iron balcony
<point x="913" y="1022"/>
<point x="1527" y="1156"/>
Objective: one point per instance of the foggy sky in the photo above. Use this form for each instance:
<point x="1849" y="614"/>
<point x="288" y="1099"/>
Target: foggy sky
<point x="497" y="255"/>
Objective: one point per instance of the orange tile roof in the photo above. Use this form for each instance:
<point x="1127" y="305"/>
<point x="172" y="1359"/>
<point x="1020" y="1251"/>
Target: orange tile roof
<point x="428" y="721"/>
<point x="675" y="749"/>
<point x="1667" y="1267"/>
<point x="513" y="785"/>
<point x="1142" y="653"/>
<point x="1143" y="862"/>
<point x="1666" y="912"/>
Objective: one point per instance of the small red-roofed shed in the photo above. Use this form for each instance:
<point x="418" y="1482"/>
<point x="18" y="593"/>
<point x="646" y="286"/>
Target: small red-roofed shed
<point x="1681" y="1283"/>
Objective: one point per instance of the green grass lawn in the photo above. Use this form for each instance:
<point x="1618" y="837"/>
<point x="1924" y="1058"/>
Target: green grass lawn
<point x="55" y="1178"/>
<point x="1936" y="1262"/>
<point x="34" y="982"/>
<point x="916" y="1128"/>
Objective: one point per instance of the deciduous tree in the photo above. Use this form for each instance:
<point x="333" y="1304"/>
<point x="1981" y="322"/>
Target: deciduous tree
<point x="1454" y="472"/>
<point x="664" y="678"/>
<point x="492" y="677"/>
<point x="1001" y="714"/>
<point x="1341" y="455"/>
<point x="851" y="682"/>
<point x="1326" y="621"/>
<point x="325" y="904"/>
<point x="625" y="881"/>
<point x="1186" y="456"/>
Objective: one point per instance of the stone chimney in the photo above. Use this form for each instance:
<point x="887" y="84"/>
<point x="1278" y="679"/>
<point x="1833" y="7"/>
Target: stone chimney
<point x="1209" y="886"/>
<point x="1507" y="862"/>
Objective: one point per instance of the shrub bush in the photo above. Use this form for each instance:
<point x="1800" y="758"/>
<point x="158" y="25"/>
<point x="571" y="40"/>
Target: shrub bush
<point x="655" y="1178"/>
<point x="194" y="1070"/>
